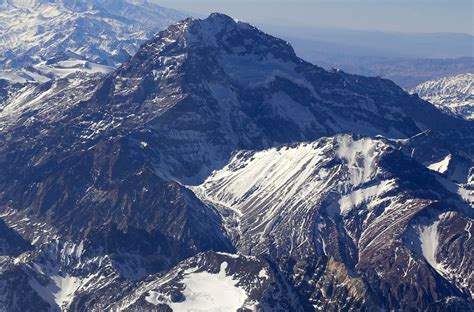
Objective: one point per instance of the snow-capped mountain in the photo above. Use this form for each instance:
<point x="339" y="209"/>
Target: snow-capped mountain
<point x="347" y="201"/>
<point x="454" y="95"/>
<point x="216" y="163"/>
<point x="41" y="39"/>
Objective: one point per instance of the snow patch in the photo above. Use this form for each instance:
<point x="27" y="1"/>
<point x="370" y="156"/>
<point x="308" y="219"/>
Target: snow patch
<point x="441" y="166"/>
<point x="364" y="195"/>
<point x="361" y="157"/>
<point x="233" y="256"/>
<point x="60" y="292"/>
<point x="429" y="239"/>
<point x="263" y="274"/>
<point x="205" y="291"/>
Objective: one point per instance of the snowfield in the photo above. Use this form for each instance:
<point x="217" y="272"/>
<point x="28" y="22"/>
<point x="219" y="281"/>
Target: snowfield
<point x="207" y="292"/>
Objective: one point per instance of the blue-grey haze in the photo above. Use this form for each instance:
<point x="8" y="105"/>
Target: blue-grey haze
<point x="382" y="15"/>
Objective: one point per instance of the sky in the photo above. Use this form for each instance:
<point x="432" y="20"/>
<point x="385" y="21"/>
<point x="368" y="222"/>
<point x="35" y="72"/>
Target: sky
<point x="378" y="15"/>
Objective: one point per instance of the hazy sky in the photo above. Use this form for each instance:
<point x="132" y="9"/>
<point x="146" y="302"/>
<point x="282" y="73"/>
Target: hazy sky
<point x="385" y="15"/>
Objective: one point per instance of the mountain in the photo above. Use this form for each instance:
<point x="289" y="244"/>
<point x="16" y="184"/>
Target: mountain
<point x="431" y="45"/>
<point x="357" y="208"/>
<point x="454" y="94"/>
<point x="407" y="59"/>
<point x="216" y="156"/>
<point x="42" y="39"/>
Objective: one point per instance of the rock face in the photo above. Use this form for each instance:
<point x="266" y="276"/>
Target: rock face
<point x="42" y="39"/>
<point x="215" y="139"/>
<point x="11" y="244"/>
<point x="454" y="95"/>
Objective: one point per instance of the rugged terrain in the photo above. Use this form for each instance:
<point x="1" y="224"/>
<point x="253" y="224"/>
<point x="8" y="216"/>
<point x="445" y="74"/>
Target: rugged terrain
<point x="216" y="164"/>
<point x="42" y="39"/>
<point x="454" y="95"/>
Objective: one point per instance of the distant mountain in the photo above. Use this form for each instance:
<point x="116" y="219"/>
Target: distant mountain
<point x="42" y="39"/>
<point x="216" y="163"/>
<point x="404" y="71"/>
<point x="407" y="59"/>
<point x="383" y="43"/>
<point x="451" y="94"/>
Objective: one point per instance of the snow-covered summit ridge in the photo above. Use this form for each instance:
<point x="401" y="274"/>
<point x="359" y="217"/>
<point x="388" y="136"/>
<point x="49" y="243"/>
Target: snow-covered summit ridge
<point x="453" y="94"/>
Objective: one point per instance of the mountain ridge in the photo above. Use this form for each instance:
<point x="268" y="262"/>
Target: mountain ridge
<point x="454" y="94"/>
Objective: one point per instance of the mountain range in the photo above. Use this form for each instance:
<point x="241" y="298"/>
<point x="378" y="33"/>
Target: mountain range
<point x="217" y="170"/>
<point x="44" y="39"/>
<point x="454" y="95"/>
<point x="408" y="59"/>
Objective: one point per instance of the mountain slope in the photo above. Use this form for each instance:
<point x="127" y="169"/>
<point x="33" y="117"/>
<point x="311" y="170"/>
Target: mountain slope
<point x="44" y="39"/>
<point x="451" y="94"/>
<point x="105" y="177"/>
<point x="216" y="282"/>
<point x="350" y="203"/>
<point x="228" y="83"/>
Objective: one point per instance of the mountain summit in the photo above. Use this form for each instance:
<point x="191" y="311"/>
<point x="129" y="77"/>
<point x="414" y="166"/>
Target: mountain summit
<point x="223" y="81"/>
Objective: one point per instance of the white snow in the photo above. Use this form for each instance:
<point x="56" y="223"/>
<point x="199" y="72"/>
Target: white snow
<point x="360" y="156"/>
<point x="60" y="291"/>
<point x="289" y="175"/>
<point x="364" y="195"/>
<point x="41" y="30"/>
<point x="453" y="94"/>
<point x="43" y="71"/>
<point x="233" y="256"/>
<point x="263" y="274"/>
<point x="442" y="165"/>
<point x="275" y="191"/>
<point x="208" y="292"/>
<point x="429" y="239"/>
<point x="467" y="195"/>
<point x="13" y="77"/>
<point x="29" y="99"/>
<point x="65" y="68"/>
<point x="429" y="242"/>
<point x="67" y="286"/>
<point x="466" y="191"/>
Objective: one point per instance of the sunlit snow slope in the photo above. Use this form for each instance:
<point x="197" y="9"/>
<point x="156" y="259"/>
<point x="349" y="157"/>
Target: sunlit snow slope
<point x="451" y="94"/>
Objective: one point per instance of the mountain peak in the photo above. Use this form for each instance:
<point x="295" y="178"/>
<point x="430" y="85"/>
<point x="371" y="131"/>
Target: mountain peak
<point x="221" y="30"/>
<point x="214" y="38"/>
<point x="221" y="17"/>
